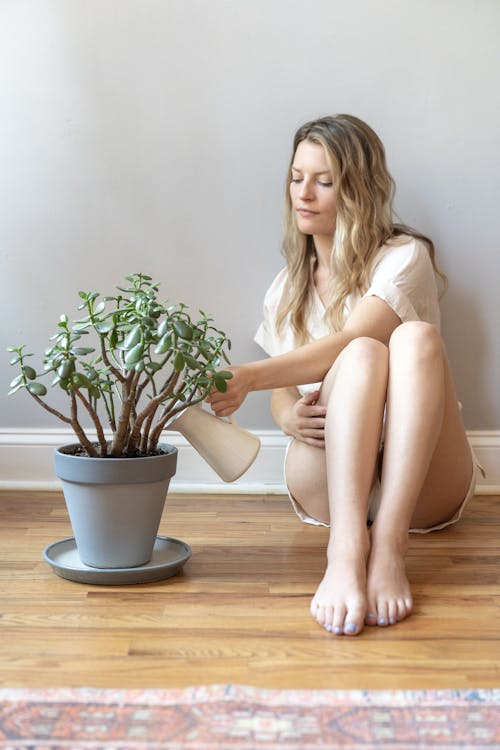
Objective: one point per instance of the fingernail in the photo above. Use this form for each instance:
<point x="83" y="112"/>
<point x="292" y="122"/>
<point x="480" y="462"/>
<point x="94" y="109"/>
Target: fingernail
<point x="337" y="630"/>
<point x="382" y="621"/>
<point x="351" y="627"/>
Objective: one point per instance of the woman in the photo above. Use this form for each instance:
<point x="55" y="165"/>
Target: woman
<point x="379" y="434"/>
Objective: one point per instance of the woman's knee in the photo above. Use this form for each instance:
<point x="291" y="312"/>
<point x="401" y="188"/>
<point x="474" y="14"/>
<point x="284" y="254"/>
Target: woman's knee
<point x="365" y="348"/>
<point x="416" y="340"/>
<point x="363" y="357"/>
<point x="362" y="352"/>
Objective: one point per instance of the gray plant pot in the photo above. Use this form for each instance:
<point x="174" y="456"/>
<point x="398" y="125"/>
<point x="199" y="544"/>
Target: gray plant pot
<point x="115" y="504"/>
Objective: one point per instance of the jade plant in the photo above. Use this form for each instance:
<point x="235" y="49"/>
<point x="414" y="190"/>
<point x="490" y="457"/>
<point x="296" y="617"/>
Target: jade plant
<point x="147" y="361"/>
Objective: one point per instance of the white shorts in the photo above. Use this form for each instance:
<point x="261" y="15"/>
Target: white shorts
<point x="374" y="501"/>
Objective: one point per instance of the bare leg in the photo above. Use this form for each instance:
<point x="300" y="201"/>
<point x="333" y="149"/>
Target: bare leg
<point x="355" y="393"/>
<point x="427" y="465"/>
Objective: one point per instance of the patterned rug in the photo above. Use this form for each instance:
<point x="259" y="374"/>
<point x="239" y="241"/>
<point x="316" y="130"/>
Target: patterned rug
<point x="234" y="717"/>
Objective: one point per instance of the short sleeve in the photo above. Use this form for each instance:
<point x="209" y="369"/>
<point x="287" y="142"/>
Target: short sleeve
<point x="404" y="278"/>
<point x="275" y="343"/>
<point x="266" y="336"/>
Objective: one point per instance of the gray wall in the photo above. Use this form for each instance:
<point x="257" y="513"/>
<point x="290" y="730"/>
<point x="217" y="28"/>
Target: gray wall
<point x="154" y="135"/>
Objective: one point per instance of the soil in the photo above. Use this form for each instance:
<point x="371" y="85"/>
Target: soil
<point x="79" y="450"/>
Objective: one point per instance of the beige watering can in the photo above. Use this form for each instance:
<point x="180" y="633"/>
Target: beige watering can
<point x="226" y="447"/>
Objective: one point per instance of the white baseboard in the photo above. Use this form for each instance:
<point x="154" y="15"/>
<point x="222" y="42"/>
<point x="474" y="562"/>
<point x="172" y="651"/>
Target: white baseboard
<point x="26" y="463"/>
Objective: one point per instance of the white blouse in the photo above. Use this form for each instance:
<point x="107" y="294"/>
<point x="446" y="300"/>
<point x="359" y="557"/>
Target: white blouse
<point x="403" y="276"/>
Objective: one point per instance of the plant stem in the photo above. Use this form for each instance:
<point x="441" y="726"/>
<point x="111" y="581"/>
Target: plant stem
<point x="167" y="416"/>
<point x="123" y="426"/>
<point x="51" y="409"/>
<point x="97" y="422"/>
<point x="116" y="372"/>
<point x="149" y="379"/>
<point x="151" y="408"/>
<point x="78" y="429"/>
<point x="145" y="432"/>
<point x="110" y="410"/>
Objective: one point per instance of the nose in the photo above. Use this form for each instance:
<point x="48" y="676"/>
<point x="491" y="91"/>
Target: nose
<point x="306" y="189"/>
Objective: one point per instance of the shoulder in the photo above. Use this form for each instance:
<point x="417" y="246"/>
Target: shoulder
<point x="404" y="261"/>
<point x="404" y="256"/>
<point x="267" y="336"/>
<point x="403" y="276"/>
<point x="274" y="292"/>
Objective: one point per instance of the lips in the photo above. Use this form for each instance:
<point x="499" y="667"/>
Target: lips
<point x="305" y="212"/>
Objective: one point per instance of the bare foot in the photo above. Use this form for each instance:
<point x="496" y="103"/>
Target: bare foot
<point x="388" y="590"/>
<point x="339" y="604"/>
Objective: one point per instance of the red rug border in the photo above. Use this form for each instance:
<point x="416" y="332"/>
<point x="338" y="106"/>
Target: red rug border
<point x="247" y="693"/>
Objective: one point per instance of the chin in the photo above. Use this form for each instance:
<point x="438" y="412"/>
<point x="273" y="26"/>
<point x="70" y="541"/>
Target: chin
<point x="306" y="226"/>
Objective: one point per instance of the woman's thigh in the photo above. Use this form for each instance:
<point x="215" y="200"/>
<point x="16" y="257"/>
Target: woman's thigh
<point x="451" y="468"/>
<point x="305" y="474"/>
<point x="305" y="466"/>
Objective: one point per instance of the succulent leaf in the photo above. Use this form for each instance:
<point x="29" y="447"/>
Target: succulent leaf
<point x="183" y="330"/>
<point x="29" y="372"/>
<point x="80" y="380"/>
<point x="164" y="344"/>
<point x="178" y="362"/>
<point x="220" y="383"/>
<point x="17" y="380"/>
<point x="37" y="389"/>
<point x="132" y="338"/>
<point x="103" y="328"/>
<point x="66" y="368"/>
<point x="134" y="354"/>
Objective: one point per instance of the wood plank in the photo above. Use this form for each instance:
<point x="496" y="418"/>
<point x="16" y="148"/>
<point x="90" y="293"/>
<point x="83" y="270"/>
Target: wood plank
<point x="239" y="610"/>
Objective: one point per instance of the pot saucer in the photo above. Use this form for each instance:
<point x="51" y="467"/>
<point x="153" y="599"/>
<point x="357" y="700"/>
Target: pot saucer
<point x="169" y="555"/>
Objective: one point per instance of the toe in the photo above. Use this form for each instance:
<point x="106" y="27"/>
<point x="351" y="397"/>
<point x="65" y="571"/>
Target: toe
<point x="382" y="614"/>
<point x="352" y="628"/>
<point x="339" y="620"/>
<point x="319" y="615"/>
<point x="371" y="614"/>
<point x="328" y="618"/>
<point x="354" y="620"/>
<point x="317" y="612"/>
<point x="405" y="607"/>
<point x="314" y="609"/>
<point x="392" y="612"/>
<point x="401" y="612"/>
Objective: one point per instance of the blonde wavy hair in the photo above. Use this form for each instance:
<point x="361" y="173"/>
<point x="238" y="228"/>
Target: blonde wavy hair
<point x="364" y="197"/>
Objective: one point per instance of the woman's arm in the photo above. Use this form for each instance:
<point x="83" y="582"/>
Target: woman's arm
<point x="300" y="417"/>
<point x="282" y="402"/>
<point x="307" y="364"/>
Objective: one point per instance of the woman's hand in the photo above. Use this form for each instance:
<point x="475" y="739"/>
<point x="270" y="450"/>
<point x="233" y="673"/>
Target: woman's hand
<point x="224" y="404"/>
<point x="305" y="420"/>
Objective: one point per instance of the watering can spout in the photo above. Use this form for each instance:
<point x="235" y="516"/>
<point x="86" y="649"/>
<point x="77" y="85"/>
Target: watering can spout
<point x="226" y="447"/>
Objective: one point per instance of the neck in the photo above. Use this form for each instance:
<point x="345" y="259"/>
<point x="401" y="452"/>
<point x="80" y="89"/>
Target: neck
<point x="323" y="245"/>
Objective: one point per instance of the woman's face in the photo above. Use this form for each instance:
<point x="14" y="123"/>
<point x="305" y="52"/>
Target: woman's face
<point x="311" y="190"/>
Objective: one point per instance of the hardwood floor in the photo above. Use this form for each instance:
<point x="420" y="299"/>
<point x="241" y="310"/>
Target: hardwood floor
<point x="239" y="610"/>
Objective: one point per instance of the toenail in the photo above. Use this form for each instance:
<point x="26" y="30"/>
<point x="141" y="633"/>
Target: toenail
<point x="351" y="627"/>
<point x="372" y="615"/>
<point x="329" y="628"/>
<point x="382" y="621"/>
<point x="337" y="630"/>
<point x="392" y="621"/>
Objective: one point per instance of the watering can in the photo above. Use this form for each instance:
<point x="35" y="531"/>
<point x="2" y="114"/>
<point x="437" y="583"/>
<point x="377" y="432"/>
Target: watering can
<point x="226" y="447"/>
